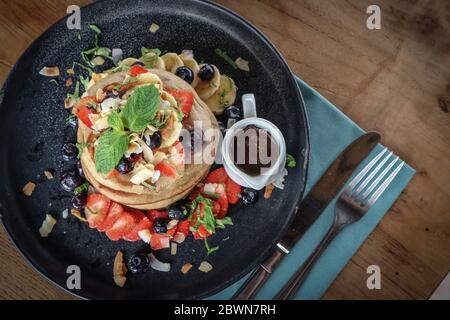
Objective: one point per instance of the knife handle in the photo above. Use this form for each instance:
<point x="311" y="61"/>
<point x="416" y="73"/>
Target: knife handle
<point x="251" y="287"/>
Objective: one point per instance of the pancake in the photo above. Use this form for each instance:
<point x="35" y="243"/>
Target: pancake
<point x="166" y="190"/>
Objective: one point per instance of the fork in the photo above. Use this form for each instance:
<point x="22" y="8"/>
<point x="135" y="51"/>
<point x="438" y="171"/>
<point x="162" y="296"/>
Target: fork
<point x="356" y="199"/>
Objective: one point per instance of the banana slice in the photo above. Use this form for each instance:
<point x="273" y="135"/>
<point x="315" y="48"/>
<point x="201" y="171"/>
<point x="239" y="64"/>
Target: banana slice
<point x="206" y="89"/>
<point x="224" y="96"/>
<point x="172" y="61"/>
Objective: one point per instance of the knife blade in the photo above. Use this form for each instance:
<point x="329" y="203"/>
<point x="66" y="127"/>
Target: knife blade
<point x="310" y="208"/>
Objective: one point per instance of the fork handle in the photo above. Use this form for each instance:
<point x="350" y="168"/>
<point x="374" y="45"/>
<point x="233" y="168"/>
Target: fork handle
<point x="294" y="283"/>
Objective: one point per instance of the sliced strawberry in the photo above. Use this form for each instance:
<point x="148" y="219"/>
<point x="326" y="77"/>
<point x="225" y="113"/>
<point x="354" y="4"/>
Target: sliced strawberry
<point x="144" y="223"/>
<point x="112" y="174"/>
<point x="159" y="241"/>
<point x="114" y="213"/>
<point x="222" y="201"/>
<point x="122" y="226"/>
<point x="194" y="194"/>
<point x="137" y="70"/>
<point x="185" y="99"/>
<point x="201" y="233"/>
<point x="97" y="209"/>
<point x="171" y="232"/>
<point x="233" y="191"/>
<point x="166" y="169"/>
<point x="83" y="114"/>
<point x="217" y="176"/>
<point x="154" y="214"/>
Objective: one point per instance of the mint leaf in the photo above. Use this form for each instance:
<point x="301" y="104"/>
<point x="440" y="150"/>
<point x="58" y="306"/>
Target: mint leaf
<point x="115" y="121"/>
<point x="112" y="145"/>
<point x="85" y="82"/>
<point x="210" y="250"/>
<point x="290" y="161"/>
<point x="141" y="108"/>
<point x="221" y="223"/>
<point x="95" y="28"/>
<point x="83" y="188"/>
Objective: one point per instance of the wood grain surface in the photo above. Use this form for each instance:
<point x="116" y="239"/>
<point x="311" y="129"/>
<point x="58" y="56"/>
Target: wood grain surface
<point x="395" y="80"/>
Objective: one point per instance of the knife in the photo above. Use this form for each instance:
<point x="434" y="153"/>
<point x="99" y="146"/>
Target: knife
<point x="310" y="209"/>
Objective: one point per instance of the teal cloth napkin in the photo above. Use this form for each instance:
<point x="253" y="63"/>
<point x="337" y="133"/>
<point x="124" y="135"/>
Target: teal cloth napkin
<point x="331" y="131"/>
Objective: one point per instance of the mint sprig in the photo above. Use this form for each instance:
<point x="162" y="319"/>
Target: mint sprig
<point x="141" y="107"/>
<point x="112" y="145"/>
<point x="290" y="161"/>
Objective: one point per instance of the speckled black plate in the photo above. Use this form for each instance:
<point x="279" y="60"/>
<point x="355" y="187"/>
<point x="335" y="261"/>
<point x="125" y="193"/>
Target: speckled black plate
<point x="32" y="130"/>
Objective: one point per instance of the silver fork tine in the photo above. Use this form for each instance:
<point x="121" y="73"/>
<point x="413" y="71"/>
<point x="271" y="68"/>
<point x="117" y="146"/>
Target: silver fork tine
<point x="363" y="172"/>
<point x="384" y="185"/>
<point x="371" y="175"/>
<point x="378" y="179"/>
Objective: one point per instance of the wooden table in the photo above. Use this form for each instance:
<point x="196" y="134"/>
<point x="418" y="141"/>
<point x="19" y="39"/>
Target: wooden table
<point x="395" y="80"/>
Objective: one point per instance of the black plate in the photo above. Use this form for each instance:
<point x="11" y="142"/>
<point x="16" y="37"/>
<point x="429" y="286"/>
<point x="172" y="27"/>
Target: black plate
<point x="32" y="122"/>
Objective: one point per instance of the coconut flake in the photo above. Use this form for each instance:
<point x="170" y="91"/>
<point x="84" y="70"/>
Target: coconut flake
<point x="65" y="214"/>
<point x="187" y="54"/>
<point x="70" y="71"/>
<point x="156" y="176"/>
<point x="77" y="214"/>
<point x="119" y="270"/>
<point x="145" y="235"/>
<point x="179" y="237"/>
<point x="47" y="226"/>
<point x="268" y="191"/>
<point x="116" y="55"/>
<point x="48" y="174"/>
<point x="158" y="265"/>
<point x="49" y="71"/>
<point x="153" y="28"/>
<point x="28" y="189"/>
<point x="173" y="248"/>
<point x="242" y="64"/>
<point x="205" y="267"/>
<point x="186" y="267"/>
<point x="279" y="179"/>
<point x="109" y="104"/>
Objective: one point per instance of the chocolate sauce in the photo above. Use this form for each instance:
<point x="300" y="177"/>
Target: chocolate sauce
<point x="254" y="150"/>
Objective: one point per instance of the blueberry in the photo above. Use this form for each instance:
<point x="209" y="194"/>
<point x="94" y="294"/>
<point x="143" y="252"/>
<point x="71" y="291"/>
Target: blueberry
<point x="124" y="166"/>
<point x="138" y="263"/>
<point x="139" y="63"/>
<point x="249" y="196"/>
<point x="177" y="211"/>
<point x="69" y="134"/>
<point x="160" y="225"/>
<point x="69" y="151"/>
<point x="80" y="169"/>
<point x="133" y="157"/>
<point x="79" y="200"/>
<point x="233" y="112"/>
<point x="70" y="180"/>
<point x="206" y="72"/>
<point x="185" y="73"/>
<point x="155" y="140"/>
<point x="222" y="127"/>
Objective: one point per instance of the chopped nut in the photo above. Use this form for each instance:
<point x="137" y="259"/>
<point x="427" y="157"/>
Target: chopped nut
<point x="48" y="174"/>
<point x="119" y="270"/>
<point x="28" y="189"/>
<point x="96" y="77"/>
<point x="205" y="267"/>
<point x="69" y="82"/>
<point x="47" y="226"/>
<point x="268" y="191"/>
<point x="173" y="248"/>
<point x="100" y="95"/>
<point x="186" y="267"/>
<point x="77" y="214"/>
<point x="242" y="64"/>
<point x="49" y="71"/>
<point x="70" y="71"/>
<point x="153" y="28"/>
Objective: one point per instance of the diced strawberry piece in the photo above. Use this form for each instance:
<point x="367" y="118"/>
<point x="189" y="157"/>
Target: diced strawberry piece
<point x="136" y="70"/>
<point x="233" y="191"/>
<point x="171" y="232"/>
<point x="183" y="227"/>
<point x="97" y="209"/>
<point x="166" y="169"/>
<point x="144" y="223"/>
<point x="217" y="176"/>
<point x="194" y="194"/>
<point x="159" y="241"/>
<point x="201" y="233"/>
<point x="154" y="214"/>
<point x="112" y="174"/>
<point x="185" y="99"/>
<point x="122" y="226"/>
<point x="179" y="237"/>
<point x="114" y="213"/>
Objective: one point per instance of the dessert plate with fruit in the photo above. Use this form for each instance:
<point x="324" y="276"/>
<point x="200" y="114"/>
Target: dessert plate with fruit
<point x="110" y="150"/>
